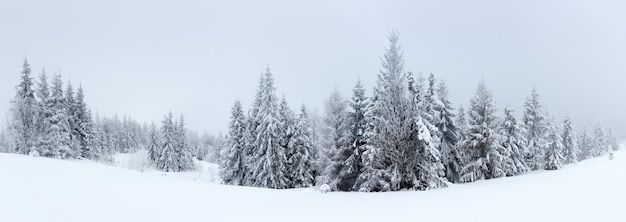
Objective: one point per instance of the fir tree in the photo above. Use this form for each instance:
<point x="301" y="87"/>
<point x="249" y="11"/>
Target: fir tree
<point x="167" y="158"/>
<point x="334" y="150"/>
<point x="488" y="158"/>
<point x="452" y="158"/>
<point x="233" y="167"/>
<point x="554" y="159"/>
<point x="355" y="141"/>
<point x="57" y="141"/>
<point x="599" y="144"/>
<point x="24" y="111"/>
<point x="536" y="129"/>
<point x="153" y="143"/>
<point x="84" y="126"/>
<point x="585" y="144"/>
<point x="301" y="162"/>
<point x="43" y="114"/>
<point x="570" y="143"/>
<point x="514" y="142"/>
<point x="183" y="152"/>
<point x="270" y="159"/>
<point x="388" y="122"/>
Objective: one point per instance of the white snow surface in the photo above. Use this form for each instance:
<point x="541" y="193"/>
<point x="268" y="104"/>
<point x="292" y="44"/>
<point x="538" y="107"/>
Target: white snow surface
<point x="41" y="189"/>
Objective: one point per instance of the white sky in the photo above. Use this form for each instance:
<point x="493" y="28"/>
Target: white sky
<point x="144" y="58"/>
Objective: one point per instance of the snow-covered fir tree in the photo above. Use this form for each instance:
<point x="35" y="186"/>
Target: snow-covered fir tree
<point x="84" y="129"/>
<point x="269" y="158"/>
<point x="612" y="140"/>
<point x="301" y="163"/>
<point x="70" y="109"/>
<point x="153" y="147"/>
<point x="167" y="158"/>
<point x="43" y="112"/>
<point x="184" y="153"/>
<point x="334" y="146"/>
<point x="570" y="142"/>
<point x="401" y="148"/>
<point x="514" y="141"/>
<point x="355" y="140"/>
<point x="452" y="157"/>
<point x="585" y="145"/>
<point x="599" y="145"/>
<point x="23" y="112"/>
<point x="536" y="131"/>
<point x="554" y="158"/>
<point x="57" y="140"/>
<point x="233" y="166"/>
<point x="388" y="122"/>
<point x="488" y="158"/>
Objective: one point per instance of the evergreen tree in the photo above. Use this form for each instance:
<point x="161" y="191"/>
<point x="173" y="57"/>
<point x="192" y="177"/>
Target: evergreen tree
<point x="57" y="140"/>
<point x="23" y="113"/>
<point x="612" y="141"/>
<point x="70" y="109"/>
<point x="570" y="143"/>
<point x="301" y="162"/>
<point x="270" y="159"/>
<point x="43" y="114"/>
<point x="554" y="159"/>
<point x="84" y="126"/>
<point x="514" y="142"/>
<point x="183" y="152"/>
<point x="585" y="145"/>
<point x="355" y="141"/>
<point x="167" y="158"/>
<point x="388" y="122"/>
<point x="452" y="158"/>
<point x="154" y="150"/>
<point x="335" y="152"/>
<point x="599" y="144"/>
<point x="488" y="158"/>
<point x="536" y="130"/>
<point x="233" y="167"/>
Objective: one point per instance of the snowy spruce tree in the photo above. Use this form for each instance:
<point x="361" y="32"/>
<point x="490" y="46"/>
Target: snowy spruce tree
<point x="233" y="166"/>
<point x="536" y="131"/>
<point x="269" y="160"/>
<point x="451" y="156"/>
<point x="301" y="147"/>
<point x="599" y="143"/>
<point x="166" y="160"/>
<point x="153" y="146"/>
<point x="554" y="158"/>
<point x="334" y="147"/>
<point x="184" y="154"/>
<point x="23" y="113"/>
<point x="57" y="141"/>
<point x="43" y="112"/>
<point x="514" y="142"/>
<point x="401" y="148"/>
<point x="355" y="140"/>
<point x="585" y="145"/>
<point x="488" y="158"/>
<point x="570" y="142"/>
<point x="84" y="127"/>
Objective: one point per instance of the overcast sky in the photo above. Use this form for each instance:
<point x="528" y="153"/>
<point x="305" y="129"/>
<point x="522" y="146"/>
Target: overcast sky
<point x="145" y="58"/>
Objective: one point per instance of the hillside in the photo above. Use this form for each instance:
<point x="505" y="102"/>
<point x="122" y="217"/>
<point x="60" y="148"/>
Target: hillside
<point x="42" y="189"/>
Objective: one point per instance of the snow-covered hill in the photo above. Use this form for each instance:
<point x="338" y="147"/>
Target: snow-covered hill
<point x="41" y="189"/>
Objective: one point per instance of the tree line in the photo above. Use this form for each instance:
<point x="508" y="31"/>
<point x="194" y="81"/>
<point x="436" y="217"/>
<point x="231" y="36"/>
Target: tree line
<point x="406" y="135"/>
<point x="47" y="120"/>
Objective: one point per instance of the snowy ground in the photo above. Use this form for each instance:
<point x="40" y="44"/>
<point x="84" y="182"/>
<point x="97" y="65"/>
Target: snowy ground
<point x="41" y="189"/>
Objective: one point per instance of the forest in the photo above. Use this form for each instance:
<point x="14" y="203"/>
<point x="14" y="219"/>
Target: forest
<point x="404" y="134"/>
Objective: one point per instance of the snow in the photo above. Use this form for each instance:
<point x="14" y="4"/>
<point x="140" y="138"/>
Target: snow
<point x="42" y="189"/>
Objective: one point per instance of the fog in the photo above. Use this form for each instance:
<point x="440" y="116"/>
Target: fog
<point x="145" y="58"/>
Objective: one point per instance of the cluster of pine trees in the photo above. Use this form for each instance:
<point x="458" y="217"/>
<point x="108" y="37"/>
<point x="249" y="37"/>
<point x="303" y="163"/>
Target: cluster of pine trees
<point x="170" y="149"/>
<point x="50" y="121"/>
<point x="406" y="135"/>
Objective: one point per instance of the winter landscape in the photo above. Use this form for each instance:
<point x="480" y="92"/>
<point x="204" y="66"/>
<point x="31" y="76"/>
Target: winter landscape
<point x="391" y="143"/>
